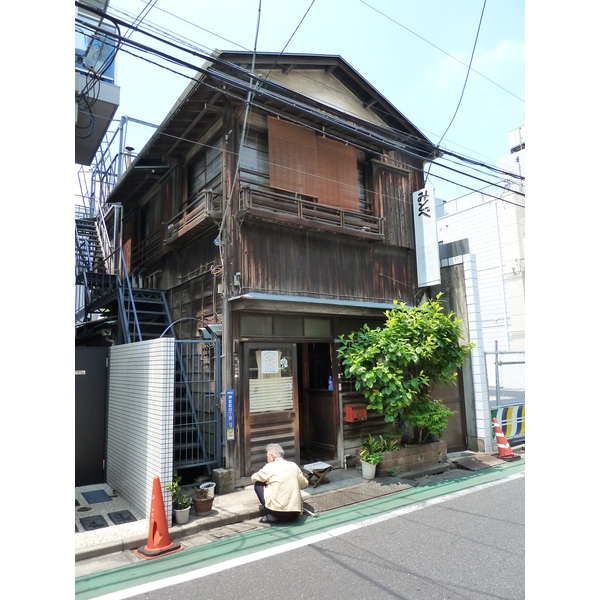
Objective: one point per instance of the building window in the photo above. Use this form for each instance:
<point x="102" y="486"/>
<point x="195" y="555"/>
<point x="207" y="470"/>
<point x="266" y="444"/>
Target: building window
<point x="254" y="159"/>
<point x="271" y="381"/>
<point x="205" y="169"/>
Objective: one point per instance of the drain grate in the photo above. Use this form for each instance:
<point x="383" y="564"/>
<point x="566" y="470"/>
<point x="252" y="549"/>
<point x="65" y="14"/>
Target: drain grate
<point x="91" y="523"/>
<point x="121" y="516"/>
<point x="478" y="463"/>
<point x="96" y="496"/>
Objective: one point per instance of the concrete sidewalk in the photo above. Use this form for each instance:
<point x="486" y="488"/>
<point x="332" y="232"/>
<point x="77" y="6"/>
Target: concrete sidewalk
<point x="346" y="486"/>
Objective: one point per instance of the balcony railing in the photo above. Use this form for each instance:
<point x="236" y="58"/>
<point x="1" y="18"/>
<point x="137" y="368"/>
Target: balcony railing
<point x="274" y="206"/>
<point x="196" y="216"/>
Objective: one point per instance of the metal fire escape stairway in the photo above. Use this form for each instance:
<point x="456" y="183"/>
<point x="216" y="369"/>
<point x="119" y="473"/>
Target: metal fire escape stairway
<point x="142" y="314"/>
<point x="90" y="268"/>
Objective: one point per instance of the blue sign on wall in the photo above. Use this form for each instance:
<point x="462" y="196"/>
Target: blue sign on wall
<point x="230" y="415"/>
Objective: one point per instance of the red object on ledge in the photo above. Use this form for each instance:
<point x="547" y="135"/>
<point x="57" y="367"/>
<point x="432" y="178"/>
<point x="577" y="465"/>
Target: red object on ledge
<point x="356" y="412"/>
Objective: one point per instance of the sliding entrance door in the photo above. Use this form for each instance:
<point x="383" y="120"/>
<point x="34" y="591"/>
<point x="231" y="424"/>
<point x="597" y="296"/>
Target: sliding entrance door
<point x="270" y="402"/>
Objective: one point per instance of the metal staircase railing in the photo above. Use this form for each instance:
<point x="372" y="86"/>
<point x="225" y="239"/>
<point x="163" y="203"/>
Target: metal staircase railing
<point x="144" y="314"/>
<point x="107" y="283"/>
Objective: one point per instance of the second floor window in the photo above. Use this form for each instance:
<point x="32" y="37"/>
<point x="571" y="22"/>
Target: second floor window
<point x="254" y="165"/>
<point x="205" y="169"/>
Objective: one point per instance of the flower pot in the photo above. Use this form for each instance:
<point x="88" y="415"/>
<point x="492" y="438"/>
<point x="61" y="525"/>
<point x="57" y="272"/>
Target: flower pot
<point x="210" y="486"/>
<point x="368" y="470"/>
<point x="203" y="506"/>
<point x="182" y="515"/>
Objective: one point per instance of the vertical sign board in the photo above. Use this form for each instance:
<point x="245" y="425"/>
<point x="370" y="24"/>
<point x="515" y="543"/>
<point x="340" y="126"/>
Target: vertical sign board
<point x="426" y="240"/>
<point x="229" y="415"/>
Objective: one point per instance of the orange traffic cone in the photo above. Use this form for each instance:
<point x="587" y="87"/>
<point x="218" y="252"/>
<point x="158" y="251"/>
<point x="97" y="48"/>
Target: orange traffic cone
<point x="504" y="449"/>
<point x="159" y="542"/>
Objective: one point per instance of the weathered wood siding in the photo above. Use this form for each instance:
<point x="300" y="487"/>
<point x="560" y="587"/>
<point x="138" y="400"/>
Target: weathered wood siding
<point x="192" y="277"/>
<point x="395" y="178"/>
<point x="288" y="260"/>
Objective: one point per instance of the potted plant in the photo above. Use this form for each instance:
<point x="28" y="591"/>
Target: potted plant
<point x="370" y="456"/>
<point x="181" y="503"/>
<point x="203" y="498"/>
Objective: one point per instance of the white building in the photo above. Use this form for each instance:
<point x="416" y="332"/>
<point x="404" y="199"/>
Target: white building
<point x="494" y="230"/>
<point x="489" y="228"/>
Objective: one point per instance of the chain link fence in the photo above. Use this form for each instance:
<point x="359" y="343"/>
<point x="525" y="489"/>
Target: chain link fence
<point x="506" y="377"/>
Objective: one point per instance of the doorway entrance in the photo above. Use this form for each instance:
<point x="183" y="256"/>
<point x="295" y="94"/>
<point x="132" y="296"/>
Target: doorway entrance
<point x="91" y="372"/>
<point x="270" y="402"/>
<point x="290" y="397"/>
<point x="318" y="402"/>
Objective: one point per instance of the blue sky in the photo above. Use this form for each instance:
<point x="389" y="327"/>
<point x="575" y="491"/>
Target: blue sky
<point x="414" y="53"/>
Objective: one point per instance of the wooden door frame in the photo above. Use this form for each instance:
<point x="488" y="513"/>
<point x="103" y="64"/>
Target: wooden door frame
<point x="305" y="350"/>
<point x="283" y="416"/>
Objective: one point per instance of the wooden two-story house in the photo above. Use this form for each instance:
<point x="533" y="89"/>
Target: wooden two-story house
<point x="274" y="204"/>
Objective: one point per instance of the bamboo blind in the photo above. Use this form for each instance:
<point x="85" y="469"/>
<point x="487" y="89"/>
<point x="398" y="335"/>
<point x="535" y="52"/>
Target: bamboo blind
<point x="304" y="163"/>
<point x="292" y="157"/>
<point x="337" y="174"/>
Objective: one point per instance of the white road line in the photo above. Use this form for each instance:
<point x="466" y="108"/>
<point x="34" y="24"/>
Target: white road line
<point x="244" y="560"/>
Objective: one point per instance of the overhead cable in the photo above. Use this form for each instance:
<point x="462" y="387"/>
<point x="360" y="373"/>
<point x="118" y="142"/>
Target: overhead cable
<point x="440" y="49"/>
<point x="254" y="77"/>
<point x="248" y="87"/>
<point x="464" y="85"/>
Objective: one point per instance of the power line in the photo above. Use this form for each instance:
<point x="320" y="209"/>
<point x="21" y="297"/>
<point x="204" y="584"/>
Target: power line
<point x="192" y="45"/>
<point x="438" y="48"/>
<point x="483" y="193"/>
<point x="246" y="87"/>
<point x="250" y="74"/>
<point x="288" y="42"/>
<point x="464" y="85"/>
<point x="314" y="128"/>
<point x="467" y="76"/>
<point x="188" y="23"/>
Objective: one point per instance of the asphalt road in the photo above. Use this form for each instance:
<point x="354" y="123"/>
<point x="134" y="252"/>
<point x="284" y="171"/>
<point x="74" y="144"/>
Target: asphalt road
<point x="449" y="543"/>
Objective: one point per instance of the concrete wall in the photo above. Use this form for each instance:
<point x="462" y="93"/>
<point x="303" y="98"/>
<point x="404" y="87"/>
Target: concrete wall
<point x="140" y="421"/>
<point x="460" y="285"/>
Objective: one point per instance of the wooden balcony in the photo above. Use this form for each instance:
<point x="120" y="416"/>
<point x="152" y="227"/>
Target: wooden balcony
<point x="198" y="215"/>
<point x="272" y="206"/>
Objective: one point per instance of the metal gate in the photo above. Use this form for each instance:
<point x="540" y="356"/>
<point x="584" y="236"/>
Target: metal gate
<point x="197" y="404"/>
<point x="506" y="390"/>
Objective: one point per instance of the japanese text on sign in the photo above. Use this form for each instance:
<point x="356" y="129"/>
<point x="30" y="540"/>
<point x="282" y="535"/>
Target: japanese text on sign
<point x="426" y="242"/>
<point x="230" y="414"/>
<point x="423" y="200"/>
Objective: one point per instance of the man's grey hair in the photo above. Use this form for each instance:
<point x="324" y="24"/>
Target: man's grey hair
<point x="276" y="450"/>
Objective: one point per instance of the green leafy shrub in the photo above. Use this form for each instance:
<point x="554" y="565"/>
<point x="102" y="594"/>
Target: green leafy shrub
<point x="395" y="366"/>
<point x="427" y="417"/>
<point x="388" y="443"/>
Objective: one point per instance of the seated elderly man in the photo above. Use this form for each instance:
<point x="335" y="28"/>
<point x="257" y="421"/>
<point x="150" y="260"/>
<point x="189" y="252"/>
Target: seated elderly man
<point x="278" y="486"/>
